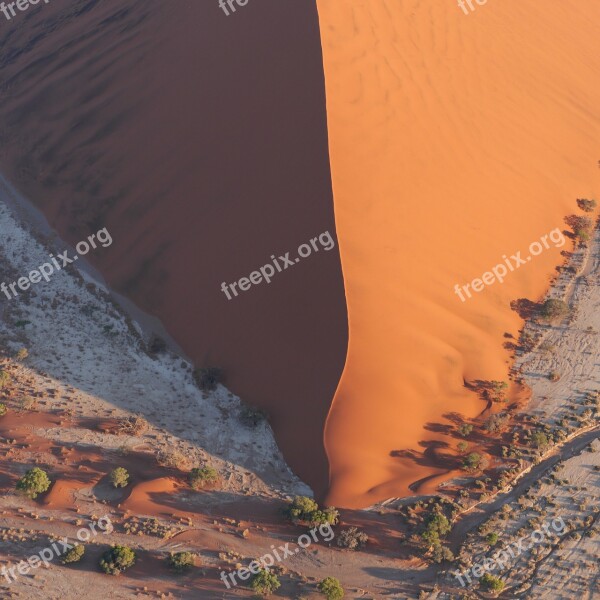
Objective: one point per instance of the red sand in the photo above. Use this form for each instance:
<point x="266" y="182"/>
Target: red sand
<point x="200" y="141"/>
<point x="454" y="140"/>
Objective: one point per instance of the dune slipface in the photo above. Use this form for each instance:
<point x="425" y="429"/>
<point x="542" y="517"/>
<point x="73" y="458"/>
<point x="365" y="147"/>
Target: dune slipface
<point x="454" y="140"/>
<point x="199" y="140"/>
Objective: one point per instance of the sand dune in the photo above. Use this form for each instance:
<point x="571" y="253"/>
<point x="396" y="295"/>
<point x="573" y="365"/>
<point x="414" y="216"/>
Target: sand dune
<point x="454" y="140"/>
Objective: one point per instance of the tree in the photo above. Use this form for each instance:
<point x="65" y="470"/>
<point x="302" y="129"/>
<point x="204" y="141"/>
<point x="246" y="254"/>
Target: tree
<point x="497" y="391"/>
<point x="203" y="476"/>
<point x="554" y="309"/>
<point x="495" y="423"/>
<point x="265" y="582"/>
<point x="75" y="554"/>
<point x="301" y="508"/>
<point x="440" y="553"/>
<point x="586" y="205"/>
<point x="331" y="588"/>
<point x="473" y="461"/>
<point x="34" y="482"/>
<point x="436" y="526"/>
<point x="540" y="440"/>
<point x="3" y="409"/>
<point x="181" y="561"/>
<point x="119" y="477"/>
<point x="352" y="538"/>
<point x="465" y="430"/>
<point x="491" y="583"/>
<point x="117" y="559"/>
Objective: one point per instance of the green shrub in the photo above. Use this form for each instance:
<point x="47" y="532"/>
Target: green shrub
<point x="436" y="526"/>
<point x="181" y="561"/>
<point x="473" y="461"/>
<point x="465" y="429"/>
<point x="302" y="508"/>
<point x="34" y="482"/>
<point x="22" y="354"/>
<point x="462" y="447"/>
<point x="119" y="477"/>
<point x="491" y="583"/>
<point x="203" y="476"/>
<point x="540" y="440"/>
<point x="73" y="555"/>
<point x="3" y="409"/>
<point x="117" y="559"/>
<point x="331" y="588"/>
<point x="4" y="378"/>
<point x="491" y="538"/>
<point x="265" y="582"/>
<point x="553" y="309"/>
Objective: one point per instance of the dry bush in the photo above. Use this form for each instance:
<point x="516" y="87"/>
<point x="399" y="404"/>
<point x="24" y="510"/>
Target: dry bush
<point x="172" y="459"/>
<point x="132" y="425"/>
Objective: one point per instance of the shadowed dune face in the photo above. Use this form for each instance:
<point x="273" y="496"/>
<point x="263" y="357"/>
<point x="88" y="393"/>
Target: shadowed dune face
<point x="199" y="141"/>
<point x="454" y="140"/>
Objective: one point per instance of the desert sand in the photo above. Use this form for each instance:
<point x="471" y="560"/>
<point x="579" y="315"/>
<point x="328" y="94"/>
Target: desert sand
<point x="454" y="140"/>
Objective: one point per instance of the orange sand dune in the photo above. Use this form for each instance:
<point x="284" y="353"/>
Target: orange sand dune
<point x="454" y="139"/>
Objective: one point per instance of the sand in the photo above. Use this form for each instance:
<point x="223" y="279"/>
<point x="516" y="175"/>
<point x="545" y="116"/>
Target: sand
<point x="454" y="140"/>
<point x="199" y="141"/>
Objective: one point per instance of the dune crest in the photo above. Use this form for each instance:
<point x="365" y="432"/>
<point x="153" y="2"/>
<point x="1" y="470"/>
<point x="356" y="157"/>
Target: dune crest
<point x="454" y="140"/>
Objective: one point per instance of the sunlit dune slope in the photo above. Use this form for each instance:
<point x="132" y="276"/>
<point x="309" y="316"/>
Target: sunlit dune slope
<point x="454" y="140"/>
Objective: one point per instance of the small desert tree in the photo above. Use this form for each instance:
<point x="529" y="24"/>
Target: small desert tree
<point x="265" y="582"/>
<point x="73" y="555"/>
<point x="3" y="409"/>
<point x="203" y="476"/>
<point x="119" y="477"/>
<point x="465" y="429"/>
<point x="4" y="378"/>
<point x="117" y="559"/>
<point x="331" y="588"/>
<point x="586" y="205"/>
<point x="491" y="583"/>
<point x="181" y="561"/>
<point x="554" y="309"/>
<point x="34" y="482"/>
<point x="473" y="461"/>
<point x="352" y="538"/>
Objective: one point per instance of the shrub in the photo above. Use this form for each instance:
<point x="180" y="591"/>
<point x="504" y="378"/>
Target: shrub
<point x="331" y="588"/>
<point x="75" y="554"/>
<point x="582" y="227"/>
<point x="436" y="526"/>
<point x="301" y="508"/>
<point x="172" y="459"/>
<point x="132" y="425"/>
<point x="265" y="582"/>
<point x="586" y="205"/>
<point x="554" y="376"/>
<point x="352" y="538"/>
<point x="540" y="440"/>
<point x="4" y="378"/>
<point x="496" y="392"/>
<point x="208" y="378"/>
<point x="473" y="461"/>
<point x="251" y="416"/>
<point x="441" y="553"/>
<point x="119" y="477"/>
<point x="34" y="482"/>
<point x="465" y="429"/>
<point x="495" y="423"/>
<point x="181" y="561"/>
<point x="491" y="538"/>
<point x="554" y="309"/>
<point x="462" y="447"/>
<point x="491" y="583"/>
<point x="22" y="354"/>
<point x="117" y="559"/>
<point x="3" y="409"/>
<point x="203" y="476"/>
